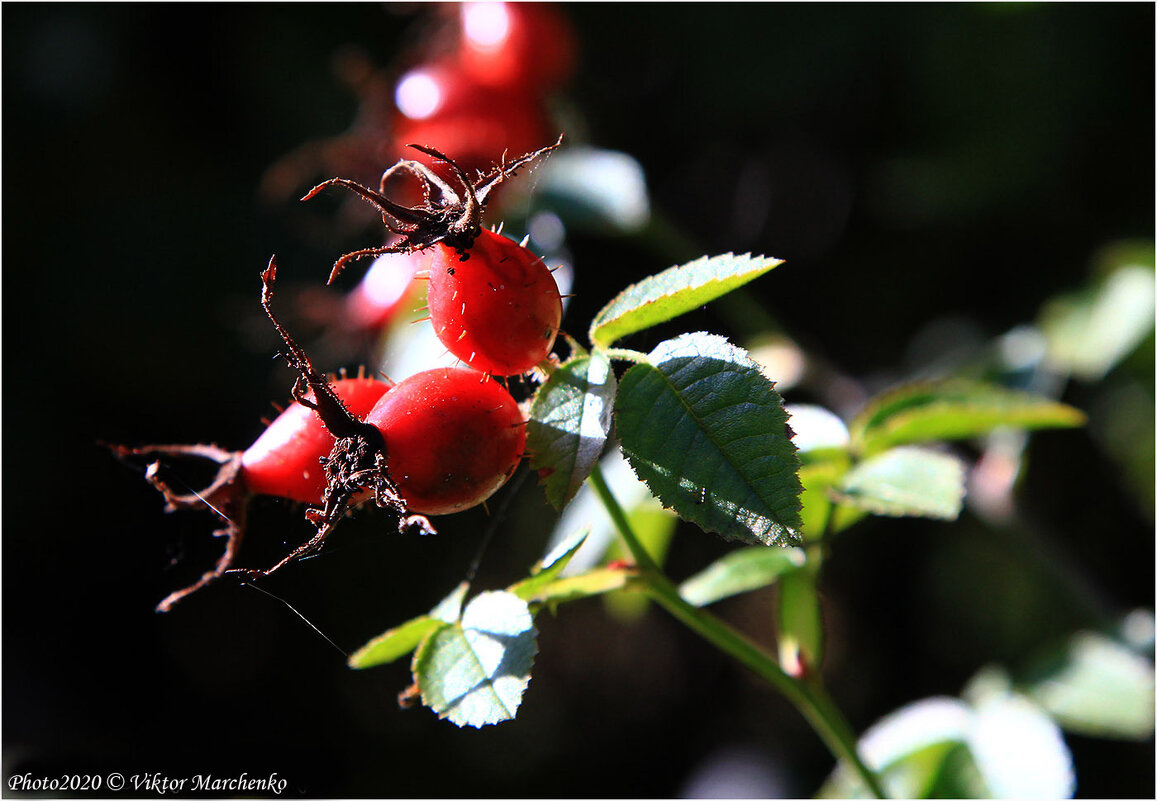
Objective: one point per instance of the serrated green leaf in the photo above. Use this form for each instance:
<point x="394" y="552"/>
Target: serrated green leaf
<point x="599" y="581"/>
<point x="705" y="429"/>
<point x="395" y="643"/>
<point x="954" y="409"/>
<point x="675" y="291"/>
<point x="906" y="481"/>
<point x="474" y="672"/>
<point x="1095" y="686"/>
<point x="739" y="571"/>
<point x="550" y="567"/>
<point x="569" y="422"/>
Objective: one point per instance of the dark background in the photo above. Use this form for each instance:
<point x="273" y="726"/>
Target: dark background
<point x="910" y="162"/>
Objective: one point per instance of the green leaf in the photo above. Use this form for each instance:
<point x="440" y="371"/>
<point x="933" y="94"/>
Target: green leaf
<point x="400" y="640"/>
<point x="817" y="477"/>
<point x="1019" y="751"/>
<point x="910" y="749"/>
<point x="395" y="643"/>
<point x="550" y="567"/>
<point x="1090" y="331"/>
<point x="474" y="672"/>
<point x="906" y="482"/>
<point x="954" y="409"/>
<point x="1004" y="747"/>
<point x="675" y="291"/>
<point x="450" y="607"/>
<point x="1095" y="686"/>
<point x="569" y="422"/>
<point x="739" y="571"/>
<point x="599" y="581"/>
<point x="705" y="429"/>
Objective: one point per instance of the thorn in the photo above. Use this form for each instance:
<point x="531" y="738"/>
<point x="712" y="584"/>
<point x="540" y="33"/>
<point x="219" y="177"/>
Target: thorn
<point x="525" y="241"/>
<point x="420" y="320"/>
<point x="461" y="336"/>
<point x="422" y="275"/>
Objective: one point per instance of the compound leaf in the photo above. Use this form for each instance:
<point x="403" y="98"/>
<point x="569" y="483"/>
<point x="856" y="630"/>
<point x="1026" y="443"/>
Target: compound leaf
<point x="953" y="409"/>
<point x="569" y="422"/>
<point x="705" y="429"/>
<point x="675" y="291"/>
<point x="474" y="672"/>
<point x="906" y="481"/>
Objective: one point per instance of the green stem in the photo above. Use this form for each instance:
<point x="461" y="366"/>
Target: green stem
<point x="808" y="697"/>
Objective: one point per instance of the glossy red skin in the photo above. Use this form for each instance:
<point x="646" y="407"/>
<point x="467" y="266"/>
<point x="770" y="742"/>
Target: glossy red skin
<point x="453" y="437"/>
<point x="473" y="123"/>
<point x="536" y="50"/>
<point x="285" y="461"/>
<point x="498" y="311"/>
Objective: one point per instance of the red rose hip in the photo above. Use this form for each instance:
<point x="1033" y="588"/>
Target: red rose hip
<point x="285" y="460"/>
<point x="452" y="438"/>
<point x="499" y="310"/>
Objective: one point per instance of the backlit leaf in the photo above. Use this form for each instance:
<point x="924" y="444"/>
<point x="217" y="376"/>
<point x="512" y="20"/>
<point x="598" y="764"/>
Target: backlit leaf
<point x="569" y="422"/>
<point x="395" y="643"/>
<point x="550" y="567"/>
<point x="599" y="581"/>
<point x="906" y="482"/>
<point x="739" y="571"/>
<point x="675" y="291"/>
<point x="705" y="429"/>
<point x="474" y="672"/>
<point x="954" y="409"/>
<point x="1095" y="686"/>
<point x="401" y="640"/>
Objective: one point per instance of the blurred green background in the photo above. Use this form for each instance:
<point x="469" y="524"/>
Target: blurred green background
<point x="931" y="174"/>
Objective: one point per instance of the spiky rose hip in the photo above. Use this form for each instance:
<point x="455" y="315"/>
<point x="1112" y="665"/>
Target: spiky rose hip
<point x="493" y="303"/>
